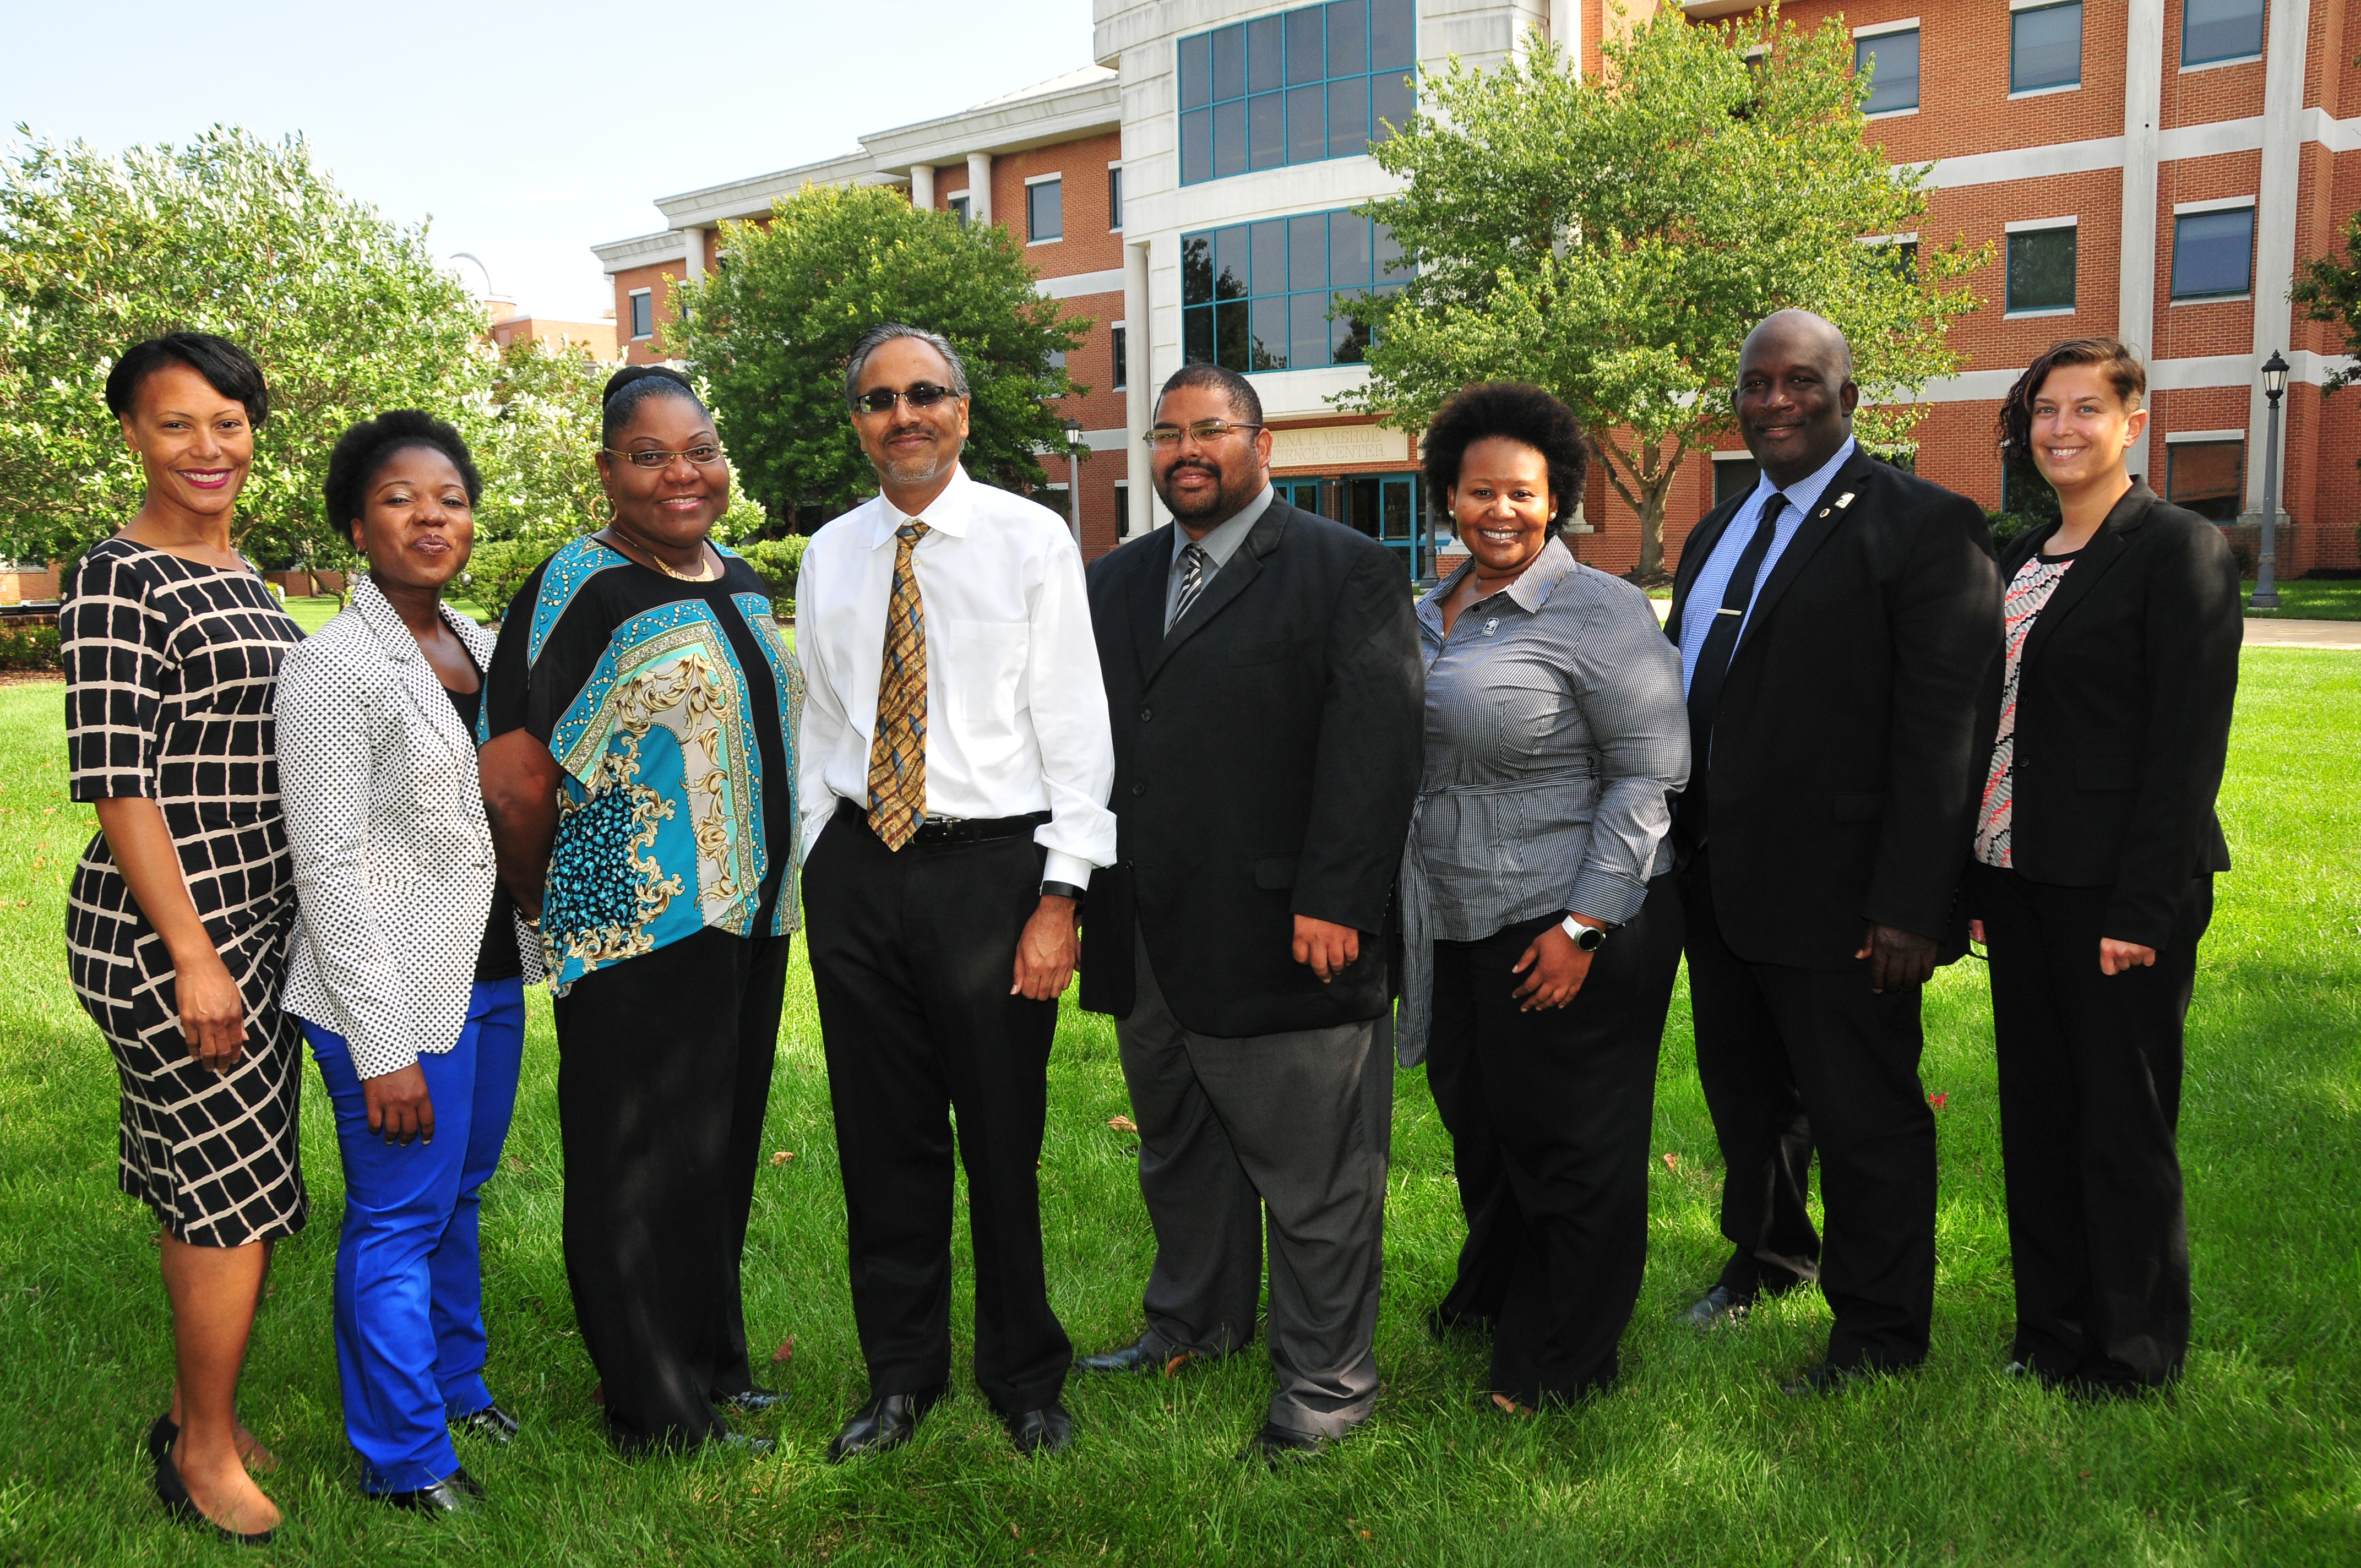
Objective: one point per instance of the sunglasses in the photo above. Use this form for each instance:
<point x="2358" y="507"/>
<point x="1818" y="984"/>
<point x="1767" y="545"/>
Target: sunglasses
<point x="924" y="395"/>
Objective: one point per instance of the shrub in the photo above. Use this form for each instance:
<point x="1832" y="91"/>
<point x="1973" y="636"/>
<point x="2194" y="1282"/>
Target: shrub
<point x="28" y="648"/>
<point x="775" y="561"/>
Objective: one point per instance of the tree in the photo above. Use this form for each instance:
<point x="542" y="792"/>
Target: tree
<point x="1613" y="237"/>
<point x="535" y="442"/>
<point x="769" y="331"/>
<point x="2329" y="290"/>
<point x="347" y="314"/>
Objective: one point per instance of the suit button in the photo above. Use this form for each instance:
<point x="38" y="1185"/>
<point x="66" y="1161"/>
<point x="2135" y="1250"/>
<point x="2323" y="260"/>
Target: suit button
<point x="1139" y="789"/>
<point x="1144" y="715"/>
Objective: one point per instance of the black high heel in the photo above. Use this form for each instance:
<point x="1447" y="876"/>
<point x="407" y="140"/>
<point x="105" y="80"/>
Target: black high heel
<point x="173" y="1493"/>
<point x="162" y="1435"/>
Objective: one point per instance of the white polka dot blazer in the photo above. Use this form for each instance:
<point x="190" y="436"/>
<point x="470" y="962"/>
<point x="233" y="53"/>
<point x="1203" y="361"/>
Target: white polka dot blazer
<point x="393" y="852"/>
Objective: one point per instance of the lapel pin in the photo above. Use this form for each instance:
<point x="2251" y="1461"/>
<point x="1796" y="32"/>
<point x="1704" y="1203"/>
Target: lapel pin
<point x="1843" y="501"/>
<point x="1491" y="626"/>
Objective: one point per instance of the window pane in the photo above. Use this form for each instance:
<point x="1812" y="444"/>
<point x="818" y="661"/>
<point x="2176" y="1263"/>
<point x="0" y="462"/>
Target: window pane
<point x="1307" y="125"/>
<point x="1307" y="260"/>
<point x="1734" y="478"/>
<point x="1892" y="61"/>
<point x="1390" y="103"/>
<point x="1196" y="145"/>
<point x="1196" y="71"/>
<point x="1348" y="41"/>
<point x="1266" y="126"/>
<point x="1347" y="340"/>
<point x="1121" y="348"/>
<point x="1229" y="63"/>
<point x="1307" y="332"/>
<point x="1197" y="335"/>
<point x="1230" y="336"/>
<point x="1115" y="198"/>
<point x="1196" y="269"/>
<point x="2041" y="270"/>
<point x="2220" y="29"/>
<point x="1401" y="505"/>
<point x="2206" y="476"/>
<point x="642" y="316"/>
<point x="1391" y="33"/>
<point x="1305" y="58"/>
<point x="1230" y="138"/>
<point x="1348" y="252"/>
<point x="958" y="207"/>
<point x="1045" y="210"/>
<point x="2213" y="253"/>
<point x="1269" y="257"/>
<point x="1269" y="332"/>
<point x="1230" y="262"/>
<point x="1348" y="117"/>
<point x="2045" y="47"/>
<point x="1388" y="254"/>
<point x="1263" y="72"/>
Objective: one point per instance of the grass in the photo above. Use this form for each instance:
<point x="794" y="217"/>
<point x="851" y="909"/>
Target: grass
<point x="313" y="611"/>
<point x="2311" y="598"/>
<point x="1694" y="1458"/>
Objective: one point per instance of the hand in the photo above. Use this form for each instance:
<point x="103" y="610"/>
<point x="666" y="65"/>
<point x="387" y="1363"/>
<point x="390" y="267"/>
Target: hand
<point x="1558" y="967"/>
<point x="1045" y="952"/>
<point x="1328" y="948"/>
<point x="1976" y="933"/>
<point x="1896" y="957"/>
<point x="400" y="1109"/>
<point x="212" y="1013"/>
<point x="2116" y="958"/>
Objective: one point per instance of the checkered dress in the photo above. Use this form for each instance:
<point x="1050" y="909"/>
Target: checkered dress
<point x="170" y="667"/>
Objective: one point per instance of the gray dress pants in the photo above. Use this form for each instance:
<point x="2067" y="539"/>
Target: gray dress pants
<point x="1290" y="1131"/>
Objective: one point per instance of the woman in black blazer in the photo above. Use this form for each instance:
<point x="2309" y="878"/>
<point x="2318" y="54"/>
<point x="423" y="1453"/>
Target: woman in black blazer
<point x="2093" y="875"/>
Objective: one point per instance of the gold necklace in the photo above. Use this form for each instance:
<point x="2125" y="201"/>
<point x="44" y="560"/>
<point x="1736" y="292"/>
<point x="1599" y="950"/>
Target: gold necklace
<point x="704" y="577"/>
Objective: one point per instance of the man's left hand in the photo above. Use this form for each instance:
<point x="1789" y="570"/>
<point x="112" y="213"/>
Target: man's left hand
<point x="1045" y="952"/>
<point x="1328" y="946"/>
<point x="1896" y="957"/>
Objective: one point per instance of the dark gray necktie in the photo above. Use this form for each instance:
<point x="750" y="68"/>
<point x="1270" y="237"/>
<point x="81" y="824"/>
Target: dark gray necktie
<point x="1193" y="580"/>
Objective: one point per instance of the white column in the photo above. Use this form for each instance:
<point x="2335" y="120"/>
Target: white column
<point x="979" y="187"/>
<point x="1565" y="31"/>
<point x="693" y="249"/>
<point x="1139" y="393"/>
<point x="2143" y="107"/>
<point x="2275" y="214"/>
<point x="922" y="186"/>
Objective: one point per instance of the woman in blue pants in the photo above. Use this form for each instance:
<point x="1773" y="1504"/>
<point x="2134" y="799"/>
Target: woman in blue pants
<point x="410" y="960"/>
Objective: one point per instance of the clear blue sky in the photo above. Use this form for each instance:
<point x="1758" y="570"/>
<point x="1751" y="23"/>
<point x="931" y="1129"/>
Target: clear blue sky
<point x="528" y="131"/>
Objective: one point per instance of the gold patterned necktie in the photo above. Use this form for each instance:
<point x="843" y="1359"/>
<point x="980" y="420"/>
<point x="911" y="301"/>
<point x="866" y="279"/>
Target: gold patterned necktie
<point x="897" y="751"/>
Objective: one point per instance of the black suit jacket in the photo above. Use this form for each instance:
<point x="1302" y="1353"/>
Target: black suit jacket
<point x="2122" y="713"/>
<point x="1266" y="756"/>
<point x="1853" y="732"/>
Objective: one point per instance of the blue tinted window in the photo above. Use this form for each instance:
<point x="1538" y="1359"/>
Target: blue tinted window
<point x="2041" y="270"/>
<point x="1257" y="296"/>
<point x="1045" y="210"/>
<point x="1891" y="61"/>
<point x="2220" y="29"/>
<point x="2213" y="253"/>
<point x="2045" y="47"/>
<point x="1315" y="82"/>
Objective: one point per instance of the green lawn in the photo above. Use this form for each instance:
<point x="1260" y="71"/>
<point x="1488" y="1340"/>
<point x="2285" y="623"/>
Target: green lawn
<point x="1695" y="1459"/>
<point x="2313" y="598"/>
<point x="311" y="613"/>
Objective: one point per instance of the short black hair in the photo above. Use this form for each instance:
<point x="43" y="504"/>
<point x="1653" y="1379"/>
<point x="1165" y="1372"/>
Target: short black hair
<point x="634" y="384"/>
<point x="1522" y="413"/>
<point x="1244" y="401"/>
<point x="227" y="369"/>
<point x="362" y="452"/>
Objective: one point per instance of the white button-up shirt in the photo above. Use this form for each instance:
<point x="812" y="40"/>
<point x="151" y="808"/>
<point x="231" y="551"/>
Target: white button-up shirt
<point x="1016" y="715"/>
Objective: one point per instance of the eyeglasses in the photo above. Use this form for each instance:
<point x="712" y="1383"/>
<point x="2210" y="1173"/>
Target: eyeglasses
<point x="925" y="395"/>
<point x="704" y="454"/>
<point x="1204" y="433"/>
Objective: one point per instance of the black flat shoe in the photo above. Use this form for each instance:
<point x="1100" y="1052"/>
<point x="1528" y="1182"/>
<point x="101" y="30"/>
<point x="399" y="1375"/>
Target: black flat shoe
<point x="173" y="1493"/>
<point x="886" y="1421"/>
<point x="491" y="1423"/>
<point x="456" y="1493"/>
<point x="1822" y="1378"/>
<point x="1137" y="1357"/>
<point x="750" y="1402"/>
<point x="1045" y="1431"/>
<point x="1275" y="1444"/>
<point x="162" y="1435"/>
<point x="1717" y="1307"/>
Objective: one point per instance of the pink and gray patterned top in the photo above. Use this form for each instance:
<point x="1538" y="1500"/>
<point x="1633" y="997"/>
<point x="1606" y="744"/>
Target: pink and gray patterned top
<point x="2028" y="592"/>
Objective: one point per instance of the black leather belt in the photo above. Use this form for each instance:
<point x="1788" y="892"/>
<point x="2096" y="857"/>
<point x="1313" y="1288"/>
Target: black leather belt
<point x="948" y="830"/>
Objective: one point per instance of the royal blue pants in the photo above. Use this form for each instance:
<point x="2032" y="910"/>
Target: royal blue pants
<point x="410" y="1319"/>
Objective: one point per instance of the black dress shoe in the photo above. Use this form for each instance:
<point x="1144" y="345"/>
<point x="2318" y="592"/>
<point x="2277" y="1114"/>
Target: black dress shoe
<point x="887" y="1420"/>
<point x="162" y="1435"/>
<point x="1274" y="1445"/>
<point x="750" y="1402"/>
<point x="1822" y="1378"/>
<point x="491" y="1423"/>
<point x="173" y="1493"/>
<point x="456" y="1493"/>
<point x="1137" y="1357"/>
<point x="1045" y="1431"/>
<point x="1718" y="1305"/>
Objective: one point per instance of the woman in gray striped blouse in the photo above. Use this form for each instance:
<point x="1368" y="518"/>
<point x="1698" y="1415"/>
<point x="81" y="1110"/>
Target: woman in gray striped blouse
<point x="1541" y="924"/>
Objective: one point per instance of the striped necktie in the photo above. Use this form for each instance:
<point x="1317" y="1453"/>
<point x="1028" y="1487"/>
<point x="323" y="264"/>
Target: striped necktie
<point x="897" y="751"/>
<point x="1193" y="580"/>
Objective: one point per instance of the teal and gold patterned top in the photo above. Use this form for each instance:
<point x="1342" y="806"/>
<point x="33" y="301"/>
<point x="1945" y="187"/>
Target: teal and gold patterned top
<point x="672" y="707"/>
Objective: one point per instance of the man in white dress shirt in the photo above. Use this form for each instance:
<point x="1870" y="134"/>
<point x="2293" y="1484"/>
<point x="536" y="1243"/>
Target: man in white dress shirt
<point x="953" y="770"/>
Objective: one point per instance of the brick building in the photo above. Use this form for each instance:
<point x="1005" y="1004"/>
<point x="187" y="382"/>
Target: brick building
<point x="2153" y="168"/>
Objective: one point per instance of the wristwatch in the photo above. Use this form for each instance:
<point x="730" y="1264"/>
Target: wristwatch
<point x="1590" y="939"/>
<point x="1062" y="889"/>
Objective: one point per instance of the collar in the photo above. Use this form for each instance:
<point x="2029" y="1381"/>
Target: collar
<point x="1532" y="590"/>
<point x="949" y="512"/>
<point x="1805" y="493"/>
<point x="377" y="613"/>
<point x="1222" y="540"/>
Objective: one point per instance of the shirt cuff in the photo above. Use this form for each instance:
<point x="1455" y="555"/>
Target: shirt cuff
<point x="1061" y="866"/>
<point x="1603" y="895"/>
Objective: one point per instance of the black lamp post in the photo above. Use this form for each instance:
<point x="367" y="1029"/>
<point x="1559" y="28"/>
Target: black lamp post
<point x="2267" y="589"/>
<point x="1074" y="475"/>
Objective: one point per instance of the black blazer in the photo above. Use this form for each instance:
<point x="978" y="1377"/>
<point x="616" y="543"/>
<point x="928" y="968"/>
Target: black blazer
<point x="1854" y="730"/>
<point x="1266" y="756"/>
<point x="2122" y="713"/>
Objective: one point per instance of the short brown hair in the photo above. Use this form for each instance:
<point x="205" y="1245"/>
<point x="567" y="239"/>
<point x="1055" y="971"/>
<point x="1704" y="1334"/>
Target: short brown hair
<point x="2123" y="372"/>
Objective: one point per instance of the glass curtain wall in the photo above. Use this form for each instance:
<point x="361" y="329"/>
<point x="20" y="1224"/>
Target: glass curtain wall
<point x="1316" y="82"/>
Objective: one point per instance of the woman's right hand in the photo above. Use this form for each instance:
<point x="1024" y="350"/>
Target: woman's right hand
<point x="400" y="1109"/>
<point x="213" y="1012"/>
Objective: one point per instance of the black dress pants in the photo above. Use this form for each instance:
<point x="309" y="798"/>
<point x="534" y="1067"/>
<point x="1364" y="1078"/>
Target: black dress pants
<point x="663" y="1075"/>
<point x="1791" y="1059"/>
<point x="2089" y="1108"/>
<point x="912" y="955"/>
<point x="1550" y="1114"/>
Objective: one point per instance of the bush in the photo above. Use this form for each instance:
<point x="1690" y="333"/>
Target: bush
<point x="2007" y="527"/>
<point x="775" y="561"/>
<point x="28" y="648"/>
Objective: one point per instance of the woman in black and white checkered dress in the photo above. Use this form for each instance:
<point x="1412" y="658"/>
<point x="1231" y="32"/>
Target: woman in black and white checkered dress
<point x="178" y="923"/>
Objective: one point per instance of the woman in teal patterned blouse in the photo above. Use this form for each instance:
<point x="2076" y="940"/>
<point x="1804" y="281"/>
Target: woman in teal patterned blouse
<point x="637" y="732"/>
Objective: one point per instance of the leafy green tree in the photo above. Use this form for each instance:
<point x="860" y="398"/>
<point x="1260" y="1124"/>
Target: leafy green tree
<point x="1613" y="237"/>
<point x="347" y="314"/>
<point x="2329" y="290"/>
<point x="536" y="437"/>
<point x="769" y="334"/>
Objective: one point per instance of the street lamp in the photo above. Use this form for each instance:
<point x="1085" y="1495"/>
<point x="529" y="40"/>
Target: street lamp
<point x="1074" y="475"/>
<point x="2267" y="590"/>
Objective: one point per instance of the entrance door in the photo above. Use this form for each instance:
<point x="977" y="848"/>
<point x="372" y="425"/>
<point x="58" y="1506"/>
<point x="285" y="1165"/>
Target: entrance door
<point x="1384" y="507"/>
<point x="1303" y="493"/>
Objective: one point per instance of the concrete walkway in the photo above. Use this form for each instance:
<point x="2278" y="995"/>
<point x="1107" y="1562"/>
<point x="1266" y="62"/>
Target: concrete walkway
<point x="2266" y="632"/>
